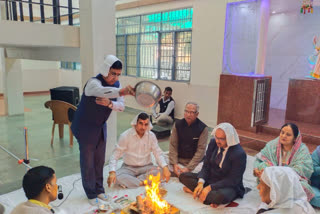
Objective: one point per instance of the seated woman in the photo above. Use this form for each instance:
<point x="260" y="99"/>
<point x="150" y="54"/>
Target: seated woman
<point x="281" y="192"/>
<point x="220" y="179"/>
<point x="315" y="178"/>
<point x="287" y="150"/>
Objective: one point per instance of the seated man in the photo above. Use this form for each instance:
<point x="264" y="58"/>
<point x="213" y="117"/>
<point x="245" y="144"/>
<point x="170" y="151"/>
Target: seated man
<point x="220" y="179"/>
<point x="136" y="145"/>
<point x="166" y="113"/>
<point x="281" y="192"/>
<point x="40" y="187"/>
<point x="188" y="141"/>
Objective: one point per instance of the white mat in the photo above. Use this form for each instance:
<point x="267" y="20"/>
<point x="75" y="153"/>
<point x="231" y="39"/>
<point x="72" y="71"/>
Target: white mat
<point x="77" y="201"/>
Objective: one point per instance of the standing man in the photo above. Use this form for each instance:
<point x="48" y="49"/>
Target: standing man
<point x="101" y="95"/>
<point x="136" y="145"/>
<point x="188" y="141"/>
<point x="166" y="113"/>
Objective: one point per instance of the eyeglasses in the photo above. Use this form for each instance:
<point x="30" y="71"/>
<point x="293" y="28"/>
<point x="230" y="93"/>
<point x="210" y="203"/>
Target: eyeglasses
<point x="114" y="74"/>
<point x="220" y="139"/>
<point x="190" y="112"/>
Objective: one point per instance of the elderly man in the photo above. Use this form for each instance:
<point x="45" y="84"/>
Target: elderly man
<point x="220" y="179"/>
<point x="136" y="145"/>
<point x="188" y="141"/>
<point x="40" y="187"/>
<point x="166" y="113"/>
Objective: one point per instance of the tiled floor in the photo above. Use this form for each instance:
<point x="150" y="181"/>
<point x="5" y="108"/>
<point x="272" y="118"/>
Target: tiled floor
<point x="60" y="156"/>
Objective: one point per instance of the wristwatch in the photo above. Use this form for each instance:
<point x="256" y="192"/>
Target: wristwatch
<point x="110" y="105"/>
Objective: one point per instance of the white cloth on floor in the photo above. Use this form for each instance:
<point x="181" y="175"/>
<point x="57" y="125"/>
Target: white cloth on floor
<point x="77" y="202"/>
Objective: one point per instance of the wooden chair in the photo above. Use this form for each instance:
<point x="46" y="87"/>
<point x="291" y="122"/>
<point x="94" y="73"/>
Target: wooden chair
<point x="60" y="111"/>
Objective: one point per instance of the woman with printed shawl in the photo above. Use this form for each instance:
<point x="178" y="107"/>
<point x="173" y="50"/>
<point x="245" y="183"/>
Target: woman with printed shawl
<point x="287" y="150"/>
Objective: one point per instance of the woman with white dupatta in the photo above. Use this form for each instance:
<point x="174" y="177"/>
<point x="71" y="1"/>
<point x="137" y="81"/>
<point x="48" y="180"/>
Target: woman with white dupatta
<point x="281" y="192"/>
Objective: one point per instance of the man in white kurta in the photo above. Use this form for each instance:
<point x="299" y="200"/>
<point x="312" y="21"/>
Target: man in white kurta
<point x="136" y="145"/>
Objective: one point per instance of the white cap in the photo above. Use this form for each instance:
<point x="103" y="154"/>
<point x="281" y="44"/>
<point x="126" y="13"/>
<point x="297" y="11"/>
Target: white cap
<point x="107" y="63"/>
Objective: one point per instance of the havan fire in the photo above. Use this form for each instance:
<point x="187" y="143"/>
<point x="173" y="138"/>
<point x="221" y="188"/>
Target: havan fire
<point x="153" y="202"/>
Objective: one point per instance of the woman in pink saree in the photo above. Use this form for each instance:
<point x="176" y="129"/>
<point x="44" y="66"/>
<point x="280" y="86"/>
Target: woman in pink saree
<point x="287" y="150"/>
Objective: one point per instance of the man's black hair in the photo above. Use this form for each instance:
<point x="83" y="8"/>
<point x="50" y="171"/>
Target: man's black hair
<point x="35" y="180"/>
<point x="168" y="89"/>
<point x="117" y="65"/>
<point x="143" y="116"/>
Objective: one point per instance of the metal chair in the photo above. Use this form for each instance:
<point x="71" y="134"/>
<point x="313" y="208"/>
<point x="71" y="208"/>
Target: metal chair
<point x="60" y="113"/>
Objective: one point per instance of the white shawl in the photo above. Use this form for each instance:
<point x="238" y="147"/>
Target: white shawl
<point x="230" y="132"/>
<point x="286" y="191"/>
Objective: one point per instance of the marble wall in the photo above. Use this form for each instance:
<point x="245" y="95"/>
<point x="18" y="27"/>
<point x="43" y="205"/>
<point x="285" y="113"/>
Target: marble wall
<point x="237" y="101"/>
<point x="241" y="37"/>
<point x="303" y="101"/>
<point x="288" y="47"/>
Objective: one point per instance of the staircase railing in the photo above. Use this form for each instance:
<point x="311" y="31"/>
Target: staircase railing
<point x="15" y="11"/>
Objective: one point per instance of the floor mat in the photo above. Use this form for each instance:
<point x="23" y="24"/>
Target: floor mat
<point x="76" y="201"/>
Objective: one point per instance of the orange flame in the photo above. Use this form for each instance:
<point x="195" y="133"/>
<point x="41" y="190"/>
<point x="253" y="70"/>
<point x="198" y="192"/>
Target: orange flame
<point x="158" y="205"/>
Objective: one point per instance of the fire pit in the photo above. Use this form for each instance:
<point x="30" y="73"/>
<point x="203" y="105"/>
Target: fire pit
<point x="153" y="202"/>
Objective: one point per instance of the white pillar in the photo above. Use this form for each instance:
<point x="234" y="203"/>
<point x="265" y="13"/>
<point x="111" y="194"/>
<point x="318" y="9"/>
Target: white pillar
<point x="13" y="92"/>
<point x="3" y="80"/>
<point x="207" y="55"/>
<point x="207" y="41"/>
<point x="263" y="36"/>
<point x="2" y="63"/>
<point x="97" y="39"/>
<point x="11" y="79"/>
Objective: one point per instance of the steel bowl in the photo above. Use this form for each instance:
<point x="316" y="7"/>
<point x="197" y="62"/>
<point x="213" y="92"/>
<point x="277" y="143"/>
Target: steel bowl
<point x="147" y="93"/>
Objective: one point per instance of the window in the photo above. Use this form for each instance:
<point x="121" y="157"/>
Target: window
<point x="70" y="65"/>
<point x="156" y="46"/>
